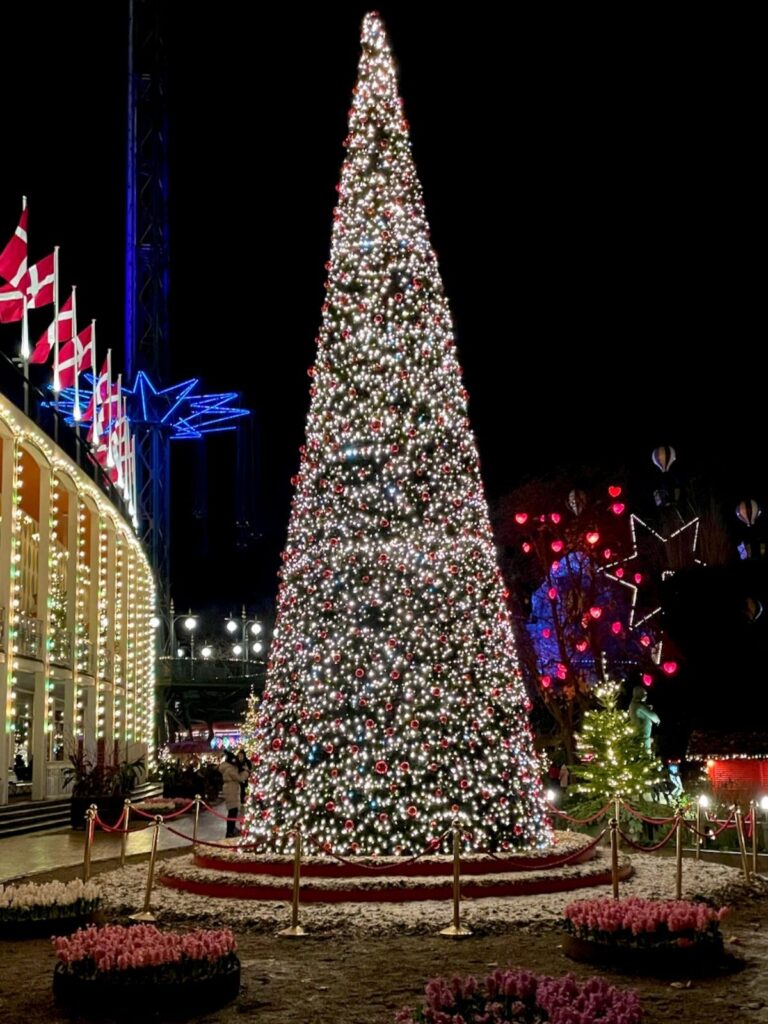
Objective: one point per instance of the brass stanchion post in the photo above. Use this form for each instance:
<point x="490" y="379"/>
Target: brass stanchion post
<point x="742" y="843"/>
<point x="146" y="913"/>
<point x="126" y="823"/>
<point x="455" y="930"/>
<point x="698" y="829"/>
<point x="295" y="928"/>
<point x="198" y="798"/>
<point x="90" y="826"/>
<point x="678" y="855"/>
<point x="613" y="824"/>
<point x="754" y="837"/>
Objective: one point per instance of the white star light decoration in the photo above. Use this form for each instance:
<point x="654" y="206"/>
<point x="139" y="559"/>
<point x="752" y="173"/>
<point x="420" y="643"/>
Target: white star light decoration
<point x="638" y="619"/>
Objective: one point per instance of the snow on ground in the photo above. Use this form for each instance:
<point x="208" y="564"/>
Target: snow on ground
<point x="654" y="877"/>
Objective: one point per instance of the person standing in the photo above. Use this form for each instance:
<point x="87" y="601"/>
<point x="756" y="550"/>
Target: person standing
<point x="565" y="777"/>
<point x="232" y="777"/>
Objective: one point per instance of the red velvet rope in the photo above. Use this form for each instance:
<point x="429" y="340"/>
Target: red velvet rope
<point x="527" y="864"/>
<point x="379" y="870"/>
<point x="650" y="821"/>
<point x="723" y="825"/>
<point x="201" y="842"/>
<point x="581" y="821"/>
<point x="656" y="846"/>
<point x="110" y="828"/>
<point x="692" y="828"/>
<point x="216" y="813"/>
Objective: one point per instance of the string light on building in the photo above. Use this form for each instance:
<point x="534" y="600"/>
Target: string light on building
<point x="15" y="610"/>
<point x="118" y="679"/>
<point x="103" y="627"/>
<point x="82" y="633"/>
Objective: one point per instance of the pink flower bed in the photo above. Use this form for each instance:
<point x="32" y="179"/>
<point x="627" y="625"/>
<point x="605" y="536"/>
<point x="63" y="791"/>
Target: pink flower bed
<point x="521" y="997"/>
<point x="145" y="953"/>
<point x="645" y="923"/>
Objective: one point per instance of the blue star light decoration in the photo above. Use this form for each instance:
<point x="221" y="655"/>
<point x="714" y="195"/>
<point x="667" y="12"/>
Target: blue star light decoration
<point x="188" y="415"/>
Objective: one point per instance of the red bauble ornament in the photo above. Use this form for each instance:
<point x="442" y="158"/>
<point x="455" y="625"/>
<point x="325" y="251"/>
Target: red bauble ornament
<point x="412" y="811"/>
<point x="381" y="767"/>
<point x="330" y="806"/>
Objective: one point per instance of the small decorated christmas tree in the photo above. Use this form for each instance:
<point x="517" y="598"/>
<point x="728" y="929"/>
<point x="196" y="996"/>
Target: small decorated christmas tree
<point x="393" y="703"/>
<point x="250" y="726"/>
<point x="613" y="759"/>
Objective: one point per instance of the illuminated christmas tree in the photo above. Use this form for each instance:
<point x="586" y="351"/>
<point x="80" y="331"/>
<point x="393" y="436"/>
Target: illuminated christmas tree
<point x="393" y="700"/>
<point x="250" y="726"/>
<point x="612" y="755"/>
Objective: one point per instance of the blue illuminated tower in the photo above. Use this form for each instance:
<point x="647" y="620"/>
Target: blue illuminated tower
<point x="160" y="412"/>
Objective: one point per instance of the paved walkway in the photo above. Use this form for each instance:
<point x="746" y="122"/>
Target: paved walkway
<point x="44" y="851"/>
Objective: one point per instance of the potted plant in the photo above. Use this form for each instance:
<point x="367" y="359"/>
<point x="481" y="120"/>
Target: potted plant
<point x="38" y="908"/>
<point x="655" y="935"/>
<point x="138" y="969"/>
<point x="96" y="782"/>
<point x="517" y="995"/>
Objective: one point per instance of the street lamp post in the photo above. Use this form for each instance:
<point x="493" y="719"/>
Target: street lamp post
<point x="189" y="621"/>
<point x="249" y="631"/>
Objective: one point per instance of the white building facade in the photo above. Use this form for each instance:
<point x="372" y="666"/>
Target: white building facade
<point x="77" y="598"/>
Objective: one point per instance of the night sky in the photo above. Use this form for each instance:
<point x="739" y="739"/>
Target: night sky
<point x="592" y="187"/>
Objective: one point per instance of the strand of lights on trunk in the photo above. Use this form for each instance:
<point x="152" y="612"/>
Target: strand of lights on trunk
<point x="54" y="602"/>
<point x="83" y="585"/>
<point x="130" y="650"/>
<point x="13" y="619"/>
<point x="118" y="676"/>
<point x="102" y="650"/>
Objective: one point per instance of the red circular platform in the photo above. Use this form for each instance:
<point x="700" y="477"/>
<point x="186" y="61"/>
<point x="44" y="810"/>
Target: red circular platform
<point x="269" y="877"/>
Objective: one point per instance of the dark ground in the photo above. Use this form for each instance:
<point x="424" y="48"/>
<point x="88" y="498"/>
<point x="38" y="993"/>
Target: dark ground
<point x="353" y="981"/>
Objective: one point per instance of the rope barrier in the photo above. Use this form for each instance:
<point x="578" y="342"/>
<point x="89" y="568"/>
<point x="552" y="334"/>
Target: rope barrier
<point x="198" y="841"/>
<point x="432" y="848"/>
<point x="522" y="865"/>
<point x="581" y="821"/>
<point x="656" y="846"/>
<point x="726" y="824"/>
<point x="166" y="817"/>
<point x="692" y="828"/>
<point x="223" y="817"/>
<point x="649" y="821"/>
<point x="116" y="827"/>
<point x="110" y="828"/>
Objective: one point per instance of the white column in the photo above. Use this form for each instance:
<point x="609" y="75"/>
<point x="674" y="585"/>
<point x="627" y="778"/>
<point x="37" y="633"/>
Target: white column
<point x="6" y="513"/>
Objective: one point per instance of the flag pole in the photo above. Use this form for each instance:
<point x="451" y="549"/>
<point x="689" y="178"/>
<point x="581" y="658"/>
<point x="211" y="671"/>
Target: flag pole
<point x="56" y="338"/>
<point x="95" y="371"/>
<point x="25" y="331"/>
<point x="75" y="351"/>
<point x="108" y="421"/>
<point x="25" y="350"/>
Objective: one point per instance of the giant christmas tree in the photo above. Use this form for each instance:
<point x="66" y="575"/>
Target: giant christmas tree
<point x="393" y="700"/>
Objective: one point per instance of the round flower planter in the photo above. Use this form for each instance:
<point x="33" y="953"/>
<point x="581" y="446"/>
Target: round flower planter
<point x="696" y="958"/>
<point x="120" y="996"/>
<point x="42" y="927"/>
